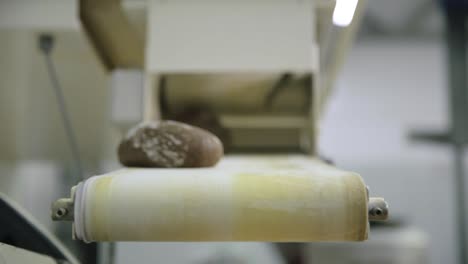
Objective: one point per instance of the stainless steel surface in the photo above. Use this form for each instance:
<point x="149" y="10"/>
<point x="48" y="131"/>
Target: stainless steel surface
<point x="10" y="254"/>
<point x="22" y="231"/>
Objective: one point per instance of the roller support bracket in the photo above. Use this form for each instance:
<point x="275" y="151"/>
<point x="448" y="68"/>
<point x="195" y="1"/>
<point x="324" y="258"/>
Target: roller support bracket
<point x="377" y="209"/>
<point x="63" y="208"/>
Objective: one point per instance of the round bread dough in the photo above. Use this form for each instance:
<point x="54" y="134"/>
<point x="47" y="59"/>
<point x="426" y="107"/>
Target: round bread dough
<point x="169" y="144"/>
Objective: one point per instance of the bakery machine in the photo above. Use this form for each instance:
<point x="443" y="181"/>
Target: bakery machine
<point x="255" y="73"/>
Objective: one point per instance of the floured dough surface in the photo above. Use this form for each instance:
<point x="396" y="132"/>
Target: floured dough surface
<point x="169" y="144"/>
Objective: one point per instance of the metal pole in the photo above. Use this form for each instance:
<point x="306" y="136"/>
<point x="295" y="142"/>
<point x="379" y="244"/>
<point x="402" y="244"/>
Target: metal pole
<point x="460" y="211"/>
<point x="456" y="49"/>
<point x="46" y="45"/>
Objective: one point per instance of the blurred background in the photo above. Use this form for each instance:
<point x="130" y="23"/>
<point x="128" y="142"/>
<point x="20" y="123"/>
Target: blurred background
<point x="393" y="82"/>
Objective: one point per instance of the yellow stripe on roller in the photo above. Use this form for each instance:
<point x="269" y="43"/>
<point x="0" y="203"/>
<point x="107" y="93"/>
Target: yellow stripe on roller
<point x="99" y="208"/>
<point x="242" y="199"/>
<point x="296" y="208"/>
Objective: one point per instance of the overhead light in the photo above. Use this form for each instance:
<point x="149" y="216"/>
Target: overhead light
<point x="344" y="12"/>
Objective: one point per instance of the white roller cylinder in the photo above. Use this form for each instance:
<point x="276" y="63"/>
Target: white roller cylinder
<point x="273" y="199"/>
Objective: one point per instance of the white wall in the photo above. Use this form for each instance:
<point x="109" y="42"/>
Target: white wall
<point x="31" y="116"/>
<point x="388" y="88"/>
<point x="39" y="14"/>
<point x="35" y="160"/>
